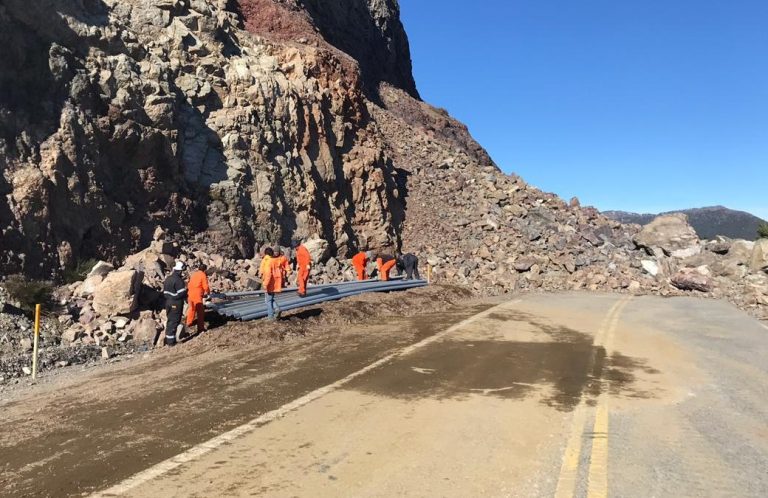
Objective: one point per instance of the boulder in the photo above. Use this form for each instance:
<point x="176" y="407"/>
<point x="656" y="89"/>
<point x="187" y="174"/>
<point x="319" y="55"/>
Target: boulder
<point x="524" y="264"/>
<point x="89" y="286"/>
<point x="729" y="268"/>
<point x="318" y="250"/>
<point x="759" y="259"/>
<point x="101" y="269"/>
<point x="72" y="333"/>
<point x="650" y="267"/>
<point x="118" y="294"/>
<point x="672" y="234"/>
<point x="741" y="251"/>
<point x="692" y="280"/>
<point x="144" y="330"/>
<point x="719" y="246"/>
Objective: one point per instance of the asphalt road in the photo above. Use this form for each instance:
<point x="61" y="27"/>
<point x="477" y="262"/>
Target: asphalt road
<point x="545" y="395"/>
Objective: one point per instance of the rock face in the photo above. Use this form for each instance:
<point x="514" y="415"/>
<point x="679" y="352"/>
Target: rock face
<point x="119" y="116"/>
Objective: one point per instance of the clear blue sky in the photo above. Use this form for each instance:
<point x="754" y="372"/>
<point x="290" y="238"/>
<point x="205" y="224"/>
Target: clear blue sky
<point x="639" y="105"/>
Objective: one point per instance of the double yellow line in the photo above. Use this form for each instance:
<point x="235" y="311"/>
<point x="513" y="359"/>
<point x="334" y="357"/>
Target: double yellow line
<point x="597" y="484"/>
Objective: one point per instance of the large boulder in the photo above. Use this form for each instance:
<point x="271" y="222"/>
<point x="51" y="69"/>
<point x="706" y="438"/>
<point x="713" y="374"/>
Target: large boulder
<point x="759" y="259"/>
<point x="671" y="234"/>
<point x="318" y="250"/>
<point x="650" y="267"/>
<point x="145" y="330"/>
<point x="741" y="251"/>
<point x="118" y="294"/>
<point x="101" y="269"/>
<point x="692" y="280"/>
<point x="89" y="286"/>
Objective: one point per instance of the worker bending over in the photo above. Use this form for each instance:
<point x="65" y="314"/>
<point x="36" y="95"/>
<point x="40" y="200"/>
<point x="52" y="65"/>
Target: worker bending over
<point x="175" y="292"/>
<point x="197" y="289"/>
<point x="409" y="264"/>
<point x="303" y="265"/>
<point x="385" y="263"/>
<point x="360" y="262"/>
<point x="271" y="281"/>
<point x="284" y="264"/>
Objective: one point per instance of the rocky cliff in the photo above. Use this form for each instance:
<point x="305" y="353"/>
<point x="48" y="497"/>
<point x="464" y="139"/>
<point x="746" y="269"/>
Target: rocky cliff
<point x="117" y="117"/>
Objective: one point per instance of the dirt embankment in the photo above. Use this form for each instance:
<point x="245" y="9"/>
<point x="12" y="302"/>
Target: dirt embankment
<point x="317" y="320"/>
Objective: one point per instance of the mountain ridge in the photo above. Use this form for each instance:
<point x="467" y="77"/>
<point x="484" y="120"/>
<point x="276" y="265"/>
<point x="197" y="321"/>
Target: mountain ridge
<point x="708" y="221"/>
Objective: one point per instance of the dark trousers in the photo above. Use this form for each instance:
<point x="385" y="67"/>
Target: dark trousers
<point x="173" y="312"/>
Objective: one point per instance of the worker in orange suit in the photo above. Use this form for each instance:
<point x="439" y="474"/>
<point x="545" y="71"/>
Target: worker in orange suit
<point x="360" y="262"/>
<point x="303" y="265"/>
<point x="285" y="266"/>
<point x="272" y="282"/>
<point x="265" y="262"/>
<point x="197" y="289"/>
<point x="385" y="263"/>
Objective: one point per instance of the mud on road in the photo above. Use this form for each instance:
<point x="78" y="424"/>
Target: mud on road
<point x="78" y="431"/>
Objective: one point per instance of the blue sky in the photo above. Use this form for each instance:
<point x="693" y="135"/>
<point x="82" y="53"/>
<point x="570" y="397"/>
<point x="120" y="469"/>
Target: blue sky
<point x="639" y="105"/>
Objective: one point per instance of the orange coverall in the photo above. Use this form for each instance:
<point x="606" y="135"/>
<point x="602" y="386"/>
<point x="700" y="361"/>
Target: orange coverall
<point x="359" y="261"/>
<point x="303" y="264"/>
<point x="272" y="279"/>
<point x="196" y="289"/>
<point x="263" y="268"/>
<point x="385" y="268"/>
<point x="285" y="268"/>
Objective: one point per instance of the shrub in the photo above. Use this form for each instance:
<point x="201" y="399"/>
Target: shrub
<point x="28" y="293"/>
<point x="79" y="272"/>
<point x="762" y="230"/>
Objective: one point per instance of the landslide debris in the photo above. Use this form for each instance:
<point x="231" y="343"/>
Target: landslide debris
<point x="138" y="132"/>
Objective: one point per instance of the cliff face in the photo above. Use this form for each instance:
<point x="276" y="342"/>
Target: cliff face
<point x="369" y="31"/>
<point x="121" y="116"/>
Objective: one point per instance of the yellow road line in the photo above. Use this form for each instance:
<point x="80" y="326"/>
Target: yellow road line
<point x="569" y="470"/>
<point x="597" y="480"/>
<point x="598" y="461"/>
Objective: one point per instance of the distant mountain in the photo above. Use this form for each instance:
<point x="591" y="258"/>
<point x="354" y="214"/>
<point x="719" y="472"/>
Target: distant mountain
<point x="707" y="221"/>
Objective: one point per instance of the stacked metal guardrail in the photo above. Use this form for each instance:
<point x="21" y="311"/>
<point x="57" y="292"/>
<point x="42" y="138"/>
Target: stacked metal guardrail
<point x="251" y="306"/>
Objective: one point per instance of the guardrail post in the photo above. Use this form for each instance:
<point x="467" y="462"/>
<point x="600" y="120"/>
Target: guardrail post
<point x="37" y="336"/>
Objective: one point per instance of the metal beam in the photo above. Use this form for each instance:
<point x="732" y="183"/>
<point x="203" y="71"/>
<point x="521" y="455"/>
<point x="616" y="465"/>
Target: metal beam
<point x="251" y="305"/>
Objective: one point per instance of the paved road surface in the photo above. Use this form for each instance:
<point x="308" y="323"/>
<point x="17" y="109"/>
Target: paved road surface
<point x="567" y="395"/>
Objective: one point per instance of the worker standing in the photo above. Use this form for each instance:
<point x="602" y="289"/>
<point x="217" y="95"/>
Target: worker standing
<point x="197" y="289"/>
<point x="174" y="292"/>
<point x="303" y="265"/>
<point x="385" y="263"/>
<point x="408" y="263"/>
<point x="360" y="262"/>
<point x="271" y="281"/>
<point x="265" y="262"/>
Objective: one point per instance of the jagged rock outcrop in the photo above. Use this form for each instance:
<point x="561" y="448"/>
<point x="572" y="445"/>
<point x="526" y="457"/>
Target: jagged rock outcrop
<point x="121" y="116"/>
